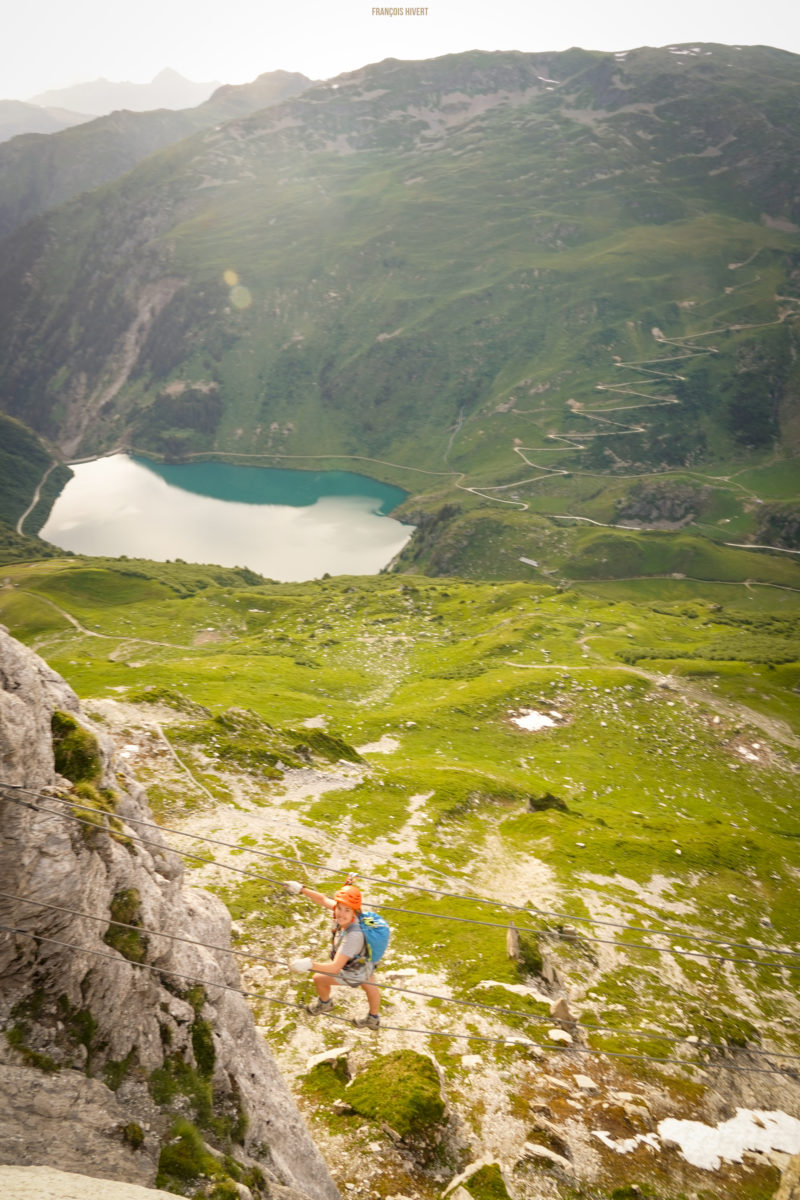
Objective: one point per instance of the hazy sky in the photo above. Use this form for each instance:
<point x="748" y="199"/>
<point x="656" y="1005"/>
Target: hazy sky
<point x="53" y="43"/>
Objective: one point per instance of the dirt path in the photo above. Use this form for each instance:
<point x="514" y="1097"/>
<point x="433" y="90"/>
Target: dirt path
<point x="111" y="637"/>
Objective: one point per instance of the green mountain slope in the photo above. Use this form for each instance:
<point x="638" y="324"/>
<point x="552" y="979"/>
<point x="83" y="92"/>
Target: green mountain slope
<point x="659" y="792"/>
<point x="31" y="477"/>
<point x="39" y="172"/>
<point x="522" y="283"/>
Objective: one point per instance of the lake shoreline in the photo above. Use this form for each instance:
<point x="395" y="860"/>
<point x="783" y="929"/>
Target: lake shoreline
<point x="317" y="462"/>
<point x="284" y="523"/>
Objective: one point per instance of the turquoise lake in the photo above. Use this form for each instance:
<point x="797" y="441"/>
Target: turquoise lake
<point x="287" y="525"/>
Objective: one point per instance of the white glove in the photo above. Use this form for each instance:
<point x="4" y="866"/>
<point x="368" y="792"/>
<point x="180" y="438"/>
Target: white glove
<point x="293" y="887"/>
<point x="300" y="965"/>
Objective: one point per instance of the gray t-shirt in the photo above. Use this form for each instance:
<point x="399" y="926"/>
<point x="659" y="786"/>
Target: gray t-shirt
<point x="350" y="941"/>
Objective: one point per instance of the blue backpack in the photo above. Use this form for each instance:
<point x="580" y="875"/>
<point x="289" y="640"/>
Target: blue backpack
<point x="376" y="932"/>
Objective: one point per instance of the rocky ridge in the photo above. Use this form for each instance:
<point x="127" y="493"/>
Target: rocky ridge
<point x="121" y="1057"/>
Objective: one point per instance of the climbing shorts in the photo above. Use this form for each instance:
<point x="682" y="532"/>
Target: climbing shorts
<point x="354" y="975"/>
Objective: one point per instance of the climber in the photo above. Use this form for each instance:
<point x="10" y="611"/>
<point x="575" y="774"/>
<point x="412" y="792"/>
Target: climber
<point x="350" y="962"/>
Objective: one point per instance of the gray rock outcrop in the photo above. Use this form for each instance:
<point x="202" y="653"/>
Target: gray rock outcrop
<point x="45" y="1183"/>
<point x="111" y="1033"/>
<point x="789" y="1188"/>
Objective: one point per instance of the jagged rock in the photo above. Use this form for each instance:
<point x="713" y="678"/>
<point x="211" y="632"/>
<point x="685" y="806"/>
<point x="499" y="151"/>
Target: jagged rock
<point x="545" y="1155"/>
<point x="512" y="941"/>
<point x="327" y="1056"/>
<point x="560" y="1011"/>
<point x="550" y="1135"/>
<point x="586" y="1084"/>
<point x="47" y="1183"/>
<point x="62" y="1000"/>
<point x="789" y="1187"/>
<point x="637" y="1113"/>
<point x="69" y="1119"/>
<point x="549" y="971"/>
<point x="468" y="1171"/>
<point x="561" y="1036"/>
<point x="554" y="1081"/>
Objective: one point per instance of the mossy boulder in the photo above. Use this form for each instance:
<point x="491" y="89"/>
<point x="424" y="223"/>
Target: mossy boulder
<point x="326" y="1081"/>
<point x="133" y="1135"/>
<point x="403" y="1091"/>
<point x="187" y="1166"/>
<point x="546" y="801"/>
<point x="530" y="960"/>
<point x="487" y="1184"/>
<point x="184" y="1158"/>
<point x="75" y="749"/>
<point x="323" y="745"/>
<point x="203" y="1046"/>
<point x="126" y="912"/>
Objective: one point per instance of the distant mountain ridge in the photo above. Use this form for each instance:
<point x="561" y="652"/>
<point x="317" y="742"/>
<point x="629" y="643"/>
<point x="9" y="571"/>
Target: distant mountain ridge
<point x="40" y="172"/>
<point x="17" y="117"/>
<point x="167" y="89"/>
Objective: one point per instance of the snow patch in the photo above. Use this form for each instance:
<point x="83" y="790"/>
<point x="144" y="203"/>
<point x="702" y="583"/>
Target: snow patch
<point x="627" y="1145"/>
<point x="385" y="745"/>
<point x="530" y="719"/>
<point x="706" y="1146"/>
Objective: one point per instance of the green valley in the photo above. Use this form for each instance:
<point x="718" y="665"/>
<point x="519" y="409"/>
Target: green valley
<point x="520" y="286"/>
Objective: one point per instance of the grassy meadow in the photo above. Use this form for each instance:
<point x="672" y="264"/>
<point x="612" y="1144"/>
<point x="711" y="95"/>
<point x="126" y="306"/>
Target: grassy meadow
<point x="367" y="724"/>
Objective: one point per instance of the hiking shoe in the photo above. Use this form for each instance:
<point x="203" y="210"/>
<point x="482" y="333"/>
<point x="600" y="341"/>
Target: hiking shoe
<point x="319" y="1007"/>
<point x="370" y="1021"/>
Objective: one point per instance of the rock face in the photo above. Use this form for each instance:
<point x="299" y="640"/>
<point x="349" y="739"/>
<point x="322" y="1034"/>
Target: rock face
<point x="107" y="1045"/>
<point x="790" y="1181"/>
<point x="44" y="1183"/>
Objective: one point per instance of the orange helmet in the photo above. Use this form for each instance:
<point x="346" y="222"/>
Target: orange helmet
<point x="349" y="895"/>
